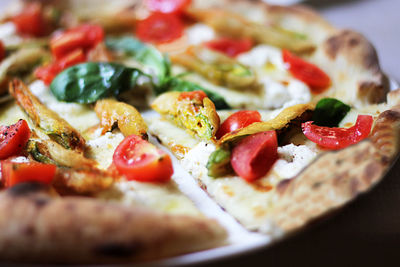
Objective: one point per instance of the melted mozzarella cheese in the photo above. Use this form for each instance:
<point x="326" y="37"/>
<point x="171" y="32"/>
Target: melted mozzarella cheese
<point x="199" y="33"/>
<point x="260" y="55"/>
<point x="8" y="34"/>
<point x="164" y="197"/>
<point x="102" y="147"/>
<point x="292" y="160"/>
<point x="79" y="116"/>
<point x="247" y="202"/>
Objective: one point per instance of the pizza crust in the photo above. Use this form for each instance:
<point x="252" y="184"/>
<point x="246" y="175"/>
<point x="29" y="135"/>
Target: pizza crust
<point x="34" y="227"/>
<point x="337" y="177"/>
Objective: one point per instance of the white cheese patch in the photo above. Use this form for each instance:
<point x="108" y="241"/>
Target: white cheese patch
<point x="79" y="116"/>
<point x="292" y="159"/>
<point x="102" y="147"/>
<point x="199" y="33"/>
<point x="260" y="55"/>
<point x="161" y="197"/>
<point x="20" y="159"/>
<point x="8" y="34"/>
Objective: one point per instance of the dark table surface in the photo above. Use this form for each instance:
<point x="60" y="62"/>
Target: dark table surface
<point x="366" y="232"/>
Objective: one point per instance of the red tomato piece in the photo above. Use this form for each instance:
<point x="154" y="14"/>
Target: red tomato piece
<point x="238" y="120"/>
<point x="2" y="51"/>
<point x="254" y="156"/>
<point x="307" y="72"/>
<point x="13" y="138"/>
<point x="49" y="72"/>
<point x="230" y="47"/>
<point x="167" y="6"/>
<point x="337" y="138"/>
<point x="140" y="160"/>
<point x="85" y="37"/>
<point x="14" y="173"/>
<point x="160" y="28"/>
<point x="31" y="20"/>
<point x="198" y="95"/>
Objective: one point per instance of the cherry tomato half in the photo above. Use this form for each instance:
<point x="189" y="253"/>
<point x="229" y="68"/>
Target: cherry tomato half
<point x="167" y="6"/>
<point x="197" y="95"/>
<point x="14" y="173"/>
<point x="160" y="28"/>
<point x="2" y="51"/>
<point x="309" y="73"/>
<point x="237" y="120"/>
<point x="254" y="156"/>
<point x="85" y="36"/>
<point x="230" y="47"/>
<point x="31" y="21"/>
<point x="49" y="72"/>
<point x="337" y="138"/>
<point x="140" y="160"/>
<point x="13" y="138"/>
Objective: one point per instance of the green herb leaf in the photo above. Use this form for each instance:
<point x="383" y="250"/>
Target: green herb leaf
<point x="176" y="84"/>
<point x="88" y="82"/>
<point x="329" y="112"/>
<point x="143" y="53"/>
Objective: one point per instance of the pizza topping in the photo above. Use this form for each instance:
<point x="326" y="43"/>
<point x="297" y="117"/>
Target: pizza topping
<point x="329" y="112"/>
<point x="31" y="20"/>
<point x="15" y="173"/>
<point x="176" y="84"/>
<point x="160" y="28"/>
<point x="307" y="72"/>
<point x="13" y="138"/>
<point x="140" y="160"/>
<point x="167" y="6"/>
<point x="70" y="48"/>
<point x="281" y="121"/>
<point x="218" y="163"/>
<point x="2" y="51"/>
<point x="254" y="155"/>
<point x="48" y="72"/>
<point x="199" y="33"/>
<point x="338" y="138"/>
<point x="125" y="116"/>
<point x="49" y="121"/>
<point x="217" y="68"/>
<point x="106" y="79"/>
<point x="84" y="37"/>
<point x="238" y="120"/>
<point x="155" y="63"/>
<point x="197" y="115"/>
<point x="230" y="47"/>
<point x="235" y="26"/>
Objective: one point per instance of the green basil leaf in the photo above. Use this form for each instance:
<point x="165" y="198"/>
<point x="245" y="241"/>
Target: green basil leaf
<point x="176" y="84"/>
<point x="143" y="53"/>
<point x="329" y="112"/>
<point x="86" y="83"/>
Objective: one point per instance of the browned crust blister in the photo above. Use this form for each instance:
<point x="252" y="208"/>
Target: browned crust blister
<point x="38" y="228"/>
<point x="337" y="177"/>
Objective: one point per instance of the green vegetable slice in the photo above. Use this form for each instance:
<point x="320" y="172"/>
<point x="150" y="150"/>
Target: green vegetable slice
<point x="180" y="85"/>
<point x="86" y="83"/>
<point x="219" y="162"/>
<point x="329" y="112"/>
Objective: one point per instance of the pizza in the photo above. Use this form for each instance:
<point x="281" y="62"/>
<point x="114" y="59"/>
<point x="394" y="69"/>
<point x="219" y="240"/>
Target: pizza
<point x="107" y="106"/>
